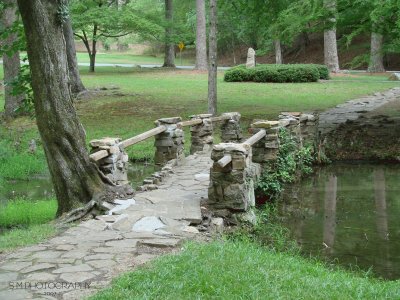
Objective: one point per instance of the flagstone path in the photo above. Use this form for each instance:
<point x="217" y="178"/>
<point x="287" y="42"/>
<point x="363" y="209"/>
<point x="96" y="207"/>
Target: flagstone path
<point x="86" y="257"/>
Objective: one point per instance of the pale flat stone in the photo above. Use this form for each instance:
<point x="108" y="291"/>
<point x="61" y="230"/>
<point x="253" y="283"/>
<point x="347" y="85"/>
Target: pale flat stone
<point x="73" y="269"/>
<point x="202" y="177"/>
<point x="99" y="256"/>
<point x="34" y="248"/>
<point x="15" y="266"/>
<point x="41" y="277"/>
<point x="122" y="205"/>
<point x="65" y="247"/>
<point x="15" y="294"/>
<point x="47" y="254"/>
<point x="77" y="276"/>
<point x="126" y="243"/>
<point x="76" y="254"/>
<point x="8" y="276"/>
<point x="101" y="264"/>
<point x="38" y="267"/>
<point x="148" y="224"/>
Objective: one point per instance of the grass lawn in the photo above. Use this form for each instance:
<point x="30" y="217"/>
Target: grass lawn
<point x="243" y="270"/>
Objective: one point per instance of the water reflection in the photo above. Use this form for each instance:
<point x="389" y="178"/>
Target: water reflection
<point x="348" y="213"/>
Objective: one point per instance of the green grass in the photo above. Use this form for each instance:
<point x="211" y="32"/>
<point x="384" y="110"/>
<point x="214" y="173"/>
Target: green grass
<point x="243" y="270"/>
<point x="25" y="212"/>
<point x="25" y="236"/>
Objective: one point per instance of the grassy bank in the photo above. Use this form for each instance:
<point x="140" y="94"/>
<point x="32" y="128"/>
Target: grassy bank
<point x="243" y="270"/>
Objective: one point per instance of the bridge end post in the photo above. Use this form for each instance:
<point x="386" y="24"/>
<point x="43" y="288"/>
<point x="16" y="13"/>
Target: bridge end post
<point x="201" y="134"/>
<point x="115" y="165"/>
<point x="170" y="143"/>
<point x="266" y="149"/>
<point x="231" y="132"/>
<point x="231" y="189"/>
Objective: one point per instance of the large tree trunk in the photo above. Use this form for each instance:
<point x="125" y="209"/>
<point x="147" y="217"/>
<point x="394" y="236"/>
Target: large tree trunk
<point x="169" y="59"/>
<point x="73" y="70"/>
<point x="376" y="59"/>
<point x="201" y="36"/>
<point x="278" y="52"/>
<point x="11" y="63"/>
<point x="212" y="70"/>
<point x="76" y="179"/>
<point x="330" y="43"/>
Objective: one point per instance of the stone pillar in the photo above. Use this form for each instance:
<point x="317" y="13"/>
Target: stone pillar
<point x="115" y="165"/>
<point x="251" y="58"/>
<point x="308" y="128"/>
<point x="231" y="188"/>
<point x="302" y="126"/>
<point x="266" y="149"/>
<point x="230" y="129"/>
<point x="202" y="134"/>
<point x="169" y="144"/>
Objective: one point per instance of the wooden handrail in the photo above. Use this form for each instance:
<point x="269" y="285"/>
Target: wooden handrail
<point x="223" y="162"/>
<point x="141" y="137"/>
<point x="99" y="155"/>
<point x="255" y="138"/>
<point x="191" y="122"/>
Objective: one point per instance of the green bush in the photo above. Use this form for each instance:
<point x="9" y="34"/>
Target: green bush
<point x="278" y="73"/>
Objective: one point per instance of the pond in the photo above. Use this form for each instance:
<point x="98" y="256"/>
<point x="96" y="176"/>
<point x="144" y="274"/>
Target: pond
<point x="350" y="214"/>
<point x="39" y="188"/>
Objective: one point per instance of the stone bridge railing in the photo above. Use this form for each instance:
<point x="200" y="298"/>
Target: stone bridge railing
<point x="112" y="159"/>
<point x="237" y="163"/>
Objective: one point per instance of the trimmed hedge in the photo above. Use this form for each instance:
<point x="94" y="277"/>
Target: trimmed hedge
<point x="278" y="73"/>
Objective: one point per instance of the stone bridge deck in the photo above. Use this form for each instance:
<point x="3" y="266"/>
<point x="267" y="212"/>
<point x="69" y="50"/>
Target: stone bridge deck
<point x="95" y="251"/>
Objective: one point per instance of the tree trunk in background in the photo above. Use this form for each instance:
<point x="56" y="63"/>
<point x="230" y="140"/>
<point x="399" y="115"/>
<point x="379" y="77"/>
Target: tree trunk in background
<point x="330" y="43"/>
<point x="278" y="52"/>
<point x="73" y="70"/>
<point x="76" y="180"/>
<point x="201" y="36"/>
<point x="212" y="70"/>
<point x="11" y="63"/>
<point x="376" y="59"/>
<point x="169" y="59"/>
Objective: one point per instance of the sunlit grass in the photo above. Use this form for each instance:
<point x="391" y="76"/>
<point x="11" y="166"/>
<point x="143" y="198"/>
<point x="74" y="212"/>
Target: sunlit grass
<point x="243" y="270"/>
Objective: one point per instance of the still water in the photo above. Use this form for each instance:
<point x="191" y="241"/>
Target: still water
<point x="350" y="214"/>
<point x="41" y="188"/>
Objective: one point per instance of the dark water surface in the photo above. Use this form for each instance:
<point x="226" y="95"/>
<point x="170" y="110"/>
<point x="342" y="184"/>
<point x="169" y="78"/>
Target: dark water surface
<point x="41" y="188"/>
<point x="349" y="213"/>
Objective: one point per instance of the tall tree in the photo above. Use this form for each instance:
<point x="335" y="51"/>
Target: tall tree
<point x="76" y="179"/>
<point x="11" y="59"/>
<point x="278" y="52"/>
<point x="73" y="70"/>
<point x="212" y="70"/>
<point x="376" y="57"/>
<point x="201" y="36"/>
<point x="330" y="44"/>
<point x="169" y="58"/>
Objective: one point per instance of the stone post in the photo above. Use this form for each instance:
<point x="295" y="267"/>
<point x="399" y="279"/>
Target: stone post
<point x="169" y="144"/>
<point x="251" y="58"/>
<point x="231" y="188"/>
<point x="115" y="165"/>
<point x="201" y="134"/>
<point x="230" y="129"/>
<point x="308" y="128"/>
<point x="302" y="126"/>
<point x="266" y="149"/>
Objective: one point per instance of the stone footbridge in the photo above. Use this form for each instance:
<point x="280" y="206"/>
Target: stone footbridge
<point x="189" y="198"/>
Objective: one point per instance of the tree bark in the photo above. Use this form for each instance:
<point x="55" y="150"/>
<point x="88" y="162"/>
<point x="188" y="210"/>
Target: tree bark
<point x="75" y="178"/>
<point x="376" y="59"/>
<point x="11" y="63"/>
<point x="201" y="36"/>
<point x="169" y="58"/>
<point x="73" y="70"/>
<point x="212" y="70"/>
<point x="278" y="52"/>
<point x="330" y="43"/>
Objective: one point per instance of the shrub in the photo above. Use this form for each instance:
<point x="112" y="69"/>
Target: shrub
<point x="278" y="73"/>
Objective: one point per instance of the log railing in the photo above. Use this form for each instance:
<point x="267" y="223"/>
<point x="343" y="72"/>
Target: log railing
<point x="153" y="132"/>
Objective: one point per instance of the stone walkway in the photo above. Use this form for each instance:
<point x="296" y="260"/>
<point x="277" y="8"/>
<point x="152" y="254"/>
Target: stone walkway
<point x="85" y="258"/>
<point x="354" y="109"/>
